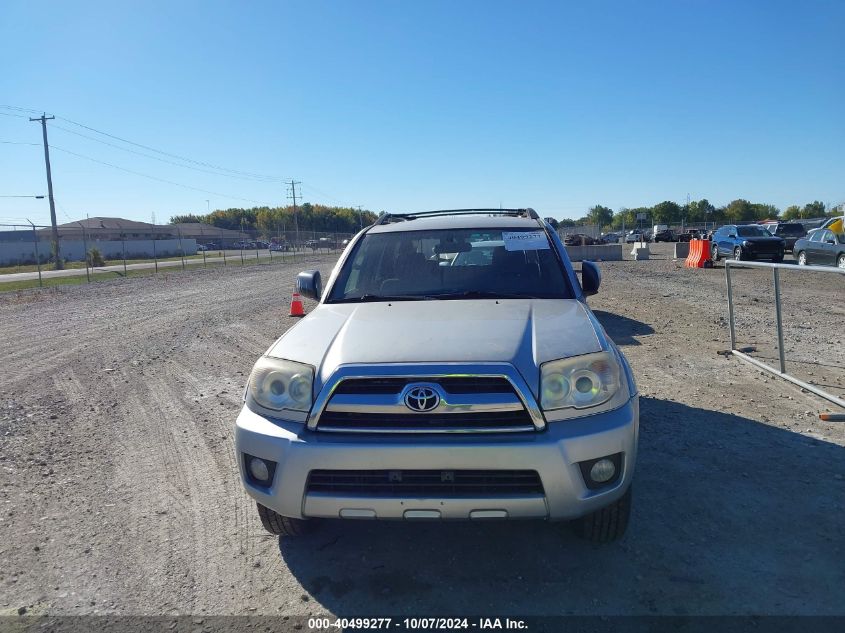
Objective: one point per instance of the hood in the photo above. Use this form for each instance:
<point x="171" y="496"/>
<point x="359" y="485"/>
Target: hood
<point x="760" y="240"/>
<point x="524" y="333"/>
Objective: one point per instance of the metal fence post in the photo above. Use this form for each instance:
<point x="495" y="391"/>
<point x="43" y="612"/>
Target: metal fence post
<point x="123" y="241"/>
<point x="181" y="249"/>
<point x="85" y="251"/>
<point x="155" y="253"/>
<point x="781" y="354"/>
<point x="202" y="235"/>
<point x="37" y="254"/>
<point x="222" y="247"/>
<point x="730" y="305"/>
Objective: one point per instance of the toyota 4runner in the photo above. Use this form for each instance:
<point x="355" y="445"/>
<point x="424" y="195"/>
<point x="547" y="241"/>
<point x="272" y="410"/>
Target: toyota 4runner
<point x="452" y="370"/>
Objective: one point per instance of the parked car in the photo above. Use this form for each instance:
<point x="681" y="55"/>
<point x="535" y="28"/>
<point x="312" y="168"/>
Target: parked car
<point x="824" y="224"/>
<point x="202" y="247"/>
<point x="418" y="391"/>
<point x="211" y="246"/>
<point x="579" y="239"/>
<point x="636" y="236"/>
<point x="791" y="232"/>
<point x="665" y="235"/>
<point x="312" y="244"/>
<point x="750" y="241"/>
<point x="690" y="234"/>
<point x="277" y="246"/>
<point x="822" y="248"/>
<point x="610" y="238"/>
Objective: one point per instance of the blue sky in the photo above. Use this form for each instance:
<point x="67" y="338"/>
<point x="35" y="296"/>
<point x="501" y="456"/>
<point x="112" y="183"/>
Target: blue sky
<point x="414" y="105"/>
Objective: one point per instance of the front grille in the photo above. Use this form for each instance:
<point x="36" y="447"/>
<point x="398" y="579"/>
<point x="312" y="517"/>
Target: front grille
<point x="764" y="247"/>
<point x="421" y="421"/>
<point x="434" y="483"/>
<point x="450" y="384"/>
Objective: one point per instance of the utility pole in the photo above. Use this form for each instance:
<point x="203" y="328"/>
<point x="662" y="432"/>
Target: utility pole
<point x="360" y="218"/>
<point x="44" y="118"/>
<point x="292" y="196"/>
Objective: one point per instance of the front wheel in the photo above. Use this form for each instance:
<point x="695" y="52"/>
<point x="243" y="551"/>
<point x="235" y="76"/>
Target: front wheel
<point x="802" y="258"/>
<point x="607" y="524"/>
<point x="738" y="253"/>
<point x="282" y="526"/>
<point x="714" y="253"/>
<point x="840" y="261"/>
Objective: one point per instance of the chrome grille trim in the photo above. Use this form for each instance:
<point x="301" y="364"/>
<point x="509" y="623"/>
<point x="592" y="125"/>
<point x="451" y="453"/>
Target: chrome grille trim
<point x="458" y="403"/>
<point x="522" y="397"/>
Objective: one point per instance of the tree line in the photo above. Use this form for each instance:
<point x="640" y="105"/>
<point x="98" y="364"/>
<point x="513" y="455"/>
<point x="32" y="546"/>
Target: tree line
<point x="698" y="212"/>
<point x="273" y="220"/>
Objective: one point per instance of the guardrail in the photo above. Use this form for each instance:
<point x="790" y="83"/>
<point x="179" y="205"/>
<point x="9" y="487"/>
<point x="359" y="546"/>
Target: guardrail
<point x="782" y="373"/>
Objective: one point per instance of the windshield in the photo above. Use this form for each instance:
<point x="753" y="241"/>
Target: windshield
<point x="452" y="264"/>
<point x="752" y="231"/>
<point x="791" y="230"/>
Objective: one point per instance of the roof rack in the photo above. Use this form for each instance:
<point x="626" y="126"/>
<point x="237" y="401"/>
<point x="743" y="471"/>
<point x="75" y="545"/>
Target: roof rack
<point x="386" y="218"/>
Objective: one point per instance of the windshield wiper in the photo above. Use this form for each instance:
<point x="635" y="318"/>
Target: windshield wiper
<point x="481" y="294"/>
<point x="372" y="297"/>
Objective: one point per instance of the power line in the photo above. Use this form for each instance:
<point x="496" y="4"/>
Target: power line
<point x="163" y="153"/>
<point x="30" y="110"/>
<point x="245" y="174"/>
<point x="322" y="193"/>
<point x="19" y="142"/>
<point x="164" y="160"/>
<point x="138" y="173"/>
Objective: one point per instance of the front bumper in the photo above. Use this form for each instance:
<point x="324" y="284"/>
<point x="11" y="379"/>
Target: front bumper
<point x="554" y="454"/>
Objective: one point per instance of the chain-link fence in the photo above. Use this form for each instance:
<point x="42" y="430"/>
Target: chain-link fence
<point x="35" y="252"/>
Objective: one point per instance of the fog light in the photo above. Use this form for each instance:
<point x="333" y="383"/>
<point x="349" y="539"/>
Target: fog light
<point x="259" y="470"/>
<point x="602" y="471"/>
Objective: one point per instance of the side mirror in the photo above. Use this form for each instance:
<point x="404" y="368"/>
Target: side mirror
<point x="830" y="240"/>
<point x="590" y="278"/>
<point x="309" y="284"/>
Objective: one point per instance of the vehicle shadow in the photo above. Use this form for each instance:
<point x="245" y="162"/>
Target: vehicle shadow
<point x="622" y="329"/>
<point x="729" y="516"/>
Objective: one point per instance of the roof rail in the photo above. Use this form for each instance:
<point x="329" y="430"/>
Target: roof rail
<point x="386" y="218"/>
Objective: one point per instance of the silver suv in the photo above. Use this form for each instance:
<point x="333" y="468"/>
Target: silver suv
<point x="452" y="370"/>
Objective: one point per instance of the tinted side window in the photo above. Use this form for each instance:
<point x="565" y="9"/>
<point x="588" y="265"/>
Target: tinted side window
<point x="817" y="236"/>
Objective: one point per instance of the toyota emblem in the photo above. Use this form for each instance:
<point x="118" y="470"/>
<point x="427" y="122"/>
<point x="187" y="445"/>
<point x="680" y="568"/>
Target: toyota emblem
<point x="422" y="399"/>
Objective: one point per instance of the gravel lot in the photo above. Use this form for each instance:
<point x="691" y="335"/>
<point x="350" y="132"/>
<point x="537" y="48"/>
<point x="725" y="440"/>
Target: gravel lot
<point x="119" y="491"/>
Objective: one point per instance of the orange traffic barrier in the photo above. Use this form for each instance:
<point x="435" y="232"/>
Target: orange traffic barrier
<point x="296" y="309"/>
<point x="699" y="254"/>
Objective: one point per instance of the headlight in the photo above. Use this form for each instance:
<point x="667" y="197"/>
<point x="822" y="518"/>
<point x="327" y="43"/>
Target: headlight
<point x="745" y="243"/>
<point x="579" y="382"/>
<point x="281" y="384"/>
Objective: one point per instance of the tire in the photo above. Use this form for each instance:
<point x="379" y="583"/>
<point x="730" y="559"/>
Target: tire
<point x="802" y="258"/>
<point x="282" y="526"/>
<point x="840" y="261"/>
<point x="777" y="260"/>
<point x="714" y="253"/>
<point x="607" y="524"/>
<point x="738" y="253"/>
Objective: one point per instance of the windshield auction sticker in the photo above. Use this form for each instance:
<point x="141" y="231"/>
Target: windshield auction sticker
<point x="525" y="240"/>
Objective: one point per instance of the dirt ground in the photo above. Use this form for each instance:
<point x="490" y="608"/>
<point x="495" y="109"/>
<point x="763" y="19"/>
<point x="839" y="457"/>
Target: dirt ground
<point x="119" y="491"/>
